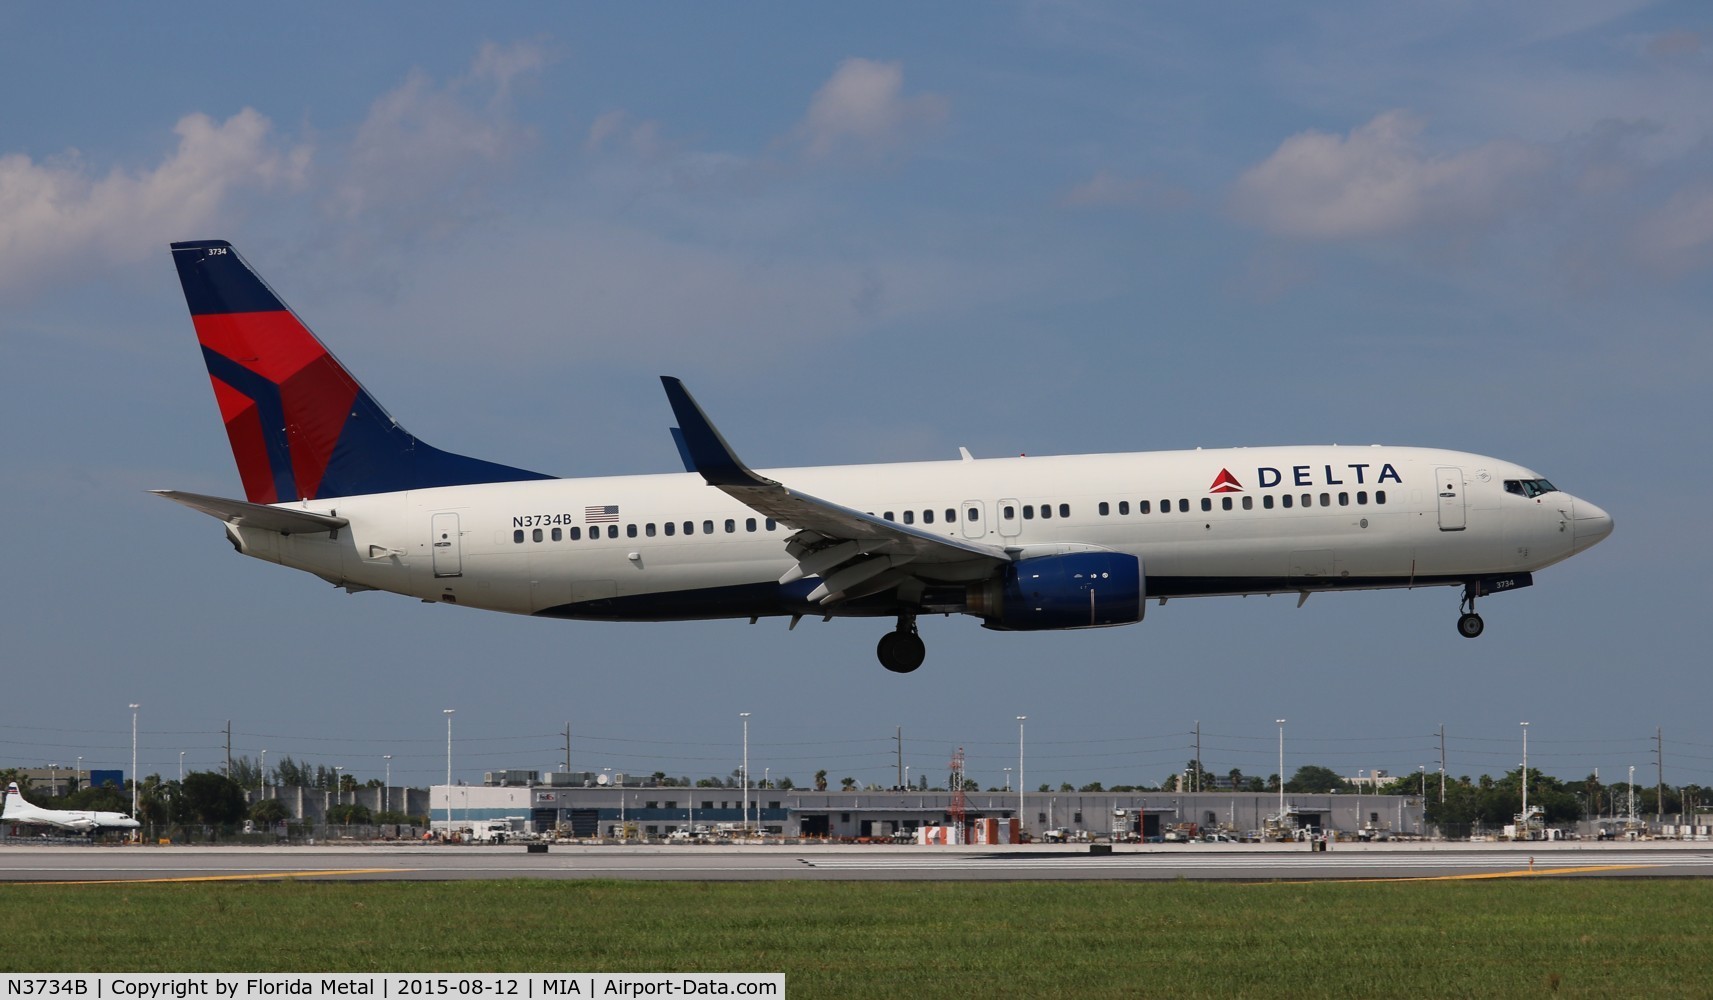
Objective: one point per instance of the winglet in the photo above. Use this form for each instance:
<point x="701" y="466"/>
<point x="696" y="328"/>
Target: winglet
<point x="706" y="450"/>
<point x="683" y="450"/>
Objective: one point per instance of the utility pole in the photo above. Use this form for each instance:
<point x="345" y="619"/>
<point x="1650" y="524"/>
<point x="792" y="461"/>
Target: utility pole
<point x="1442" y="763"/>
<point x="228" y="748"/>
<point x="1198" y="756"/>
<point x="1659" y="788"/>
<point x="567" y="746"/>
<point x="898" y="737"/>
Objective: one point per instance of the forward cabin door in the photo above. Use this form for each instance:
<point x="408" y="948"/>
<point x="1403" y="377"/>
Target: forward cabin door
<point x="448" y="557"/>
<point x="974" y="518"/>
<point x="1449" y="486"/>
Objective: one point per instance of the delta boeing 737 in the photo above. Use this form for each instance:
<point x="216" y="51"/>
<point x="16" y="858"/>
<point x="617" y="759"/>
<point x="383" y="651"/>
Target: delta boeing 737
<point x="334" y="486"/>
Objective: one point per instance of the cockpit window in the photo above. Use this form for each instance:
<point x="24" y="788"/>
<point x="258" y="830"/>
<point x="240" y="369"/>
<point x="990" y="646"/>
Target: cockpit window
<point x="1529" y="487"/>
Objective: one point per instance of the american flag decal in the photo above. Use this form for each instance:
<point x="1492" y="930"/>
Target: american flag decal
<point x="602" y="513"/>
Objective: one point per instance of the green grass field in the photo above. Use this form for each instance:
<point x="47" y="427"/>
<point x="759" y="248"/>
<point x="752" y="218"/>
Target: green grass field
<point x="1511" y="937"/>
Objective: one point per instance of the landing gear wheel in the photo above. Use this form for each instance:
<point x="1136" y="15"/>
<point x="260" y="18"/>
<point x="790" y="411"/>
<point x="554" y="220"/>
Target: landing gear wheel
<point x="1470" y="625"/>
<point x="901" y="651"/>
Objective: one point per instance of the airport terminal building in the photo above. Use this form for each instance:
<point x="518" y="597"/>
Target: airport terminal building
<point x="651" y="811"/>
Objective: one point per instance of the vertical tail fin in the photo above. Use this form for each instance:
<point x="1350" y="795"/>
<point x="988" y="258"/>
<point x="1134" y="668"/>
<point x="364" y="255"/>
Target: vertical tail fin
<point x="300" y="425"/>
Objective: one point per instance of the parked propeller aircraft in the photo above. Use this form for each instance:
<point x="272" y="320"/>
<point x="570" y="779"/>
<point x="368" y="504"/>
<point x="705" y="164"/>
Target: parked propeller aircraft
<point x="336" y="487"/>
<point x="82" y="820"/>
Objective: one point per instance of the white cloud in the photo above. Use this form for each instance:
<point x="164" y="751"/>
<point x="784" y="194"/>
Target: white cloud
<point x="1678" y="237"/>
<point x="1376" y="181"/>
<point x="423" y="142"/>
<point x="1109" y="190"/>
<point x="55" y="211"/>
<point x="863" y="110"/>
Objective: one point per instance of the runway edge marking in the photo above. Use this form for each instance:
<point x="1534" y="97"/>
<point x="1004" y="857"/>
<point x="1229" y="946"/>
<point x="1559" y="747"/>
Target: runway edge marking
<point x="222" y="878"/>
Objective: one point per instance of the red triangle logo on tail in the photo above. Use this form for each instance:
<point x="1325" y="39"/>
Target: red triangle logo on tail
<point x="1225" y="482"/>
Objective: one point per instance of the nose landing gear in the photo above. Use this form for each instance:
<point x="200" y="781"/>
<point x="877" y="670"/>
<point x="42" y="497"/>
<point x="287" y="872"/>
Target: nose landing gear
<point x="902" y="650"/>
<point x="1469" y="624"/>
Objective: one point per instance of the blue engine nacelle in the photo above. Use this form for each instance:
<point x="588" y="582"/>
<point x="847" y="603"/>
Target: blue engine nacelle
<point x="1075" y="590"/>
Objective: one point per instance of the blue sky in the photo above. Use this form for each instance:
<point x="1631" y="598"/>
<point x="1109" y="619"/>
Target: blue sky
<point x="869" y="234"/>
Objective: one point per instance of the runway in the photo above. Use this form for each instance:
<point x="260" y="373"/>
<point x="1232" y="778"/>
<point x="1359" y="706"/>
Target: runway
<point x="58" y="864"/>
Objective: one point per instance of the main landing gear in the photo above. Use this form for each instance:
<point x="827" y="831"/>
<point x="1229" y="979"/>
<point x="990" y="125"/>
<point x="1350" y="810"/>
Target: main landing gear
<point x="1469" y="624"/>
<point x="901" y="650"/>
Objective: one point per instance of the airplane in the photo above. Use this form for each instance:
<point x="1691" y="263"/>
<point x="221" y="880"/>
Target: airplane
<point x="82" y="820"/>
<point x="336" y="487"/>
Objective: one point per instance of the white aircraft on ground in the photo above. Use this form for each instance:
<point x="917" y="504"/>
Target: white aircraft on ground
<point x="336" y="487"/>
<point x="81" y="820"/>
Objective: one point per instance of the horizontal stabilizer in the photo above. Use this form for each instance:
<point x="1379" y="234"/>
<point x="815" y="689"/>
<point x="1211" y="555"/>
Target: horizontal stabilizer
<point x="255" y="515"/>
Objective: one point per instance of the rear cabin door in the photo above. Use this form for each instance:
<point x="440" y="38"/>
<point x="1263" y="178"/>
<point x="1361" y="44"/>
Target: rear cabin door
<point x="448" y="556"/>
<point x="1449" y="486"/>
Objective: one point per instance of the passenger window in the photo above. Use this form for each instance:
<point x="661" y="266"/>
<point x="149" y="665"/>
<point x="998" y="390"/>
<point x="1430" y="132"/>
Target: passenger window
<point x="707" y="527"/>
<point x="1028" y="512"/>
<point x="1046" y="511"/>
<point x="671" y="528"/>
<point x="749" y="524"/>
<point x="648" y="529"/>
<point x="1064" y="510"/>
<point x="535" y="536"/>
<point x="1206" y="504"/>
<point x="1248" y="503"/>
<point x="1225" y="503"/>
<point x="1361" y="498"/>
<point x="517" y="536"/>
<point x="1183" y="506"/>
<point x="1141" y="506"/>
<point x="1308" y="499"/>
<point x="558" y="534"/>
<point x="1104" y="508"/>
<point x="771" y="524"/>
<point x="731" y="526"/>
<point x="910" y="515"/>
<point x="928" y="515"/>
<point x="888" y="516"/>
<point x="1123" y="507"/>
<point x="1267" y="502"/>
<point x="576" y="534"/>
<point x="689" y="527"/>
<point x="1379" y="496"/>
<point x="1285" y="501"/>
<point x="1326" y="500"/>
<point x="630" y="531"/>
<point x="612" y="531"/>
<point x="951" y="515"/>
<point x="1343" y="499"/>
<point x="972" y="513"/>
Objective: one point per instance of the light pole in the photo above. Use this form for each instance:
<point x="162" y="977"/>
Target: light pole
<point x="338" y="787"/>
<point x="264" y="774"/>
<point x="53" y="779"/>
<point x="134" y="761"/>
<point x="387" y="789"/>
<point x="1525" y="780"/>
<point x="745" y="770"/>
<point x="1020" y="783"/>
<point x="79" y="771"/>
<point x="448" y="713"/>
<point x="1008" y="779"/>
<point x="1281" y="723"/>
<point x="181" y="768"/>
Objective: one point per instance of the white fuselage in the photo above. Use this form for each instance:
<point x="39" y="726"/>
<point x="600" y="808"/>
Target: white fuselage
<point x="1228" y="521"/>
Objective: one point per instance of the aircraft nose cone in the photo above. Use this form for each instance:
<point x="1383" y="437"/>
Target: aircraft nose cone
<point x="1591" y="524"/>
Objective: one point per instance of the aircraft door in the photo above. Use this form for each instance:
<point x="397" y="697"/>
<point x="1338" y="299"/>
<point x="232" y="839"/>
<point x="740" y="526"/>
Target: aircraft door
<point x="1010" y="526"/>
<point x="973" y="515"/>
<point x="448" y="550"/>
<point x="1449" y="486"/>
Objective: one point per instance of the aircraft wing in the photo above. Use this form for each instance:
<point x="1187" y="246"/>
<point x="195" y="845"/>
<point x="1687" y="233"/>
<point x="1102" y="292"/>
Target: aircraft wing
<point x="280" y="519"/>
<point x="854" y="552"/>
